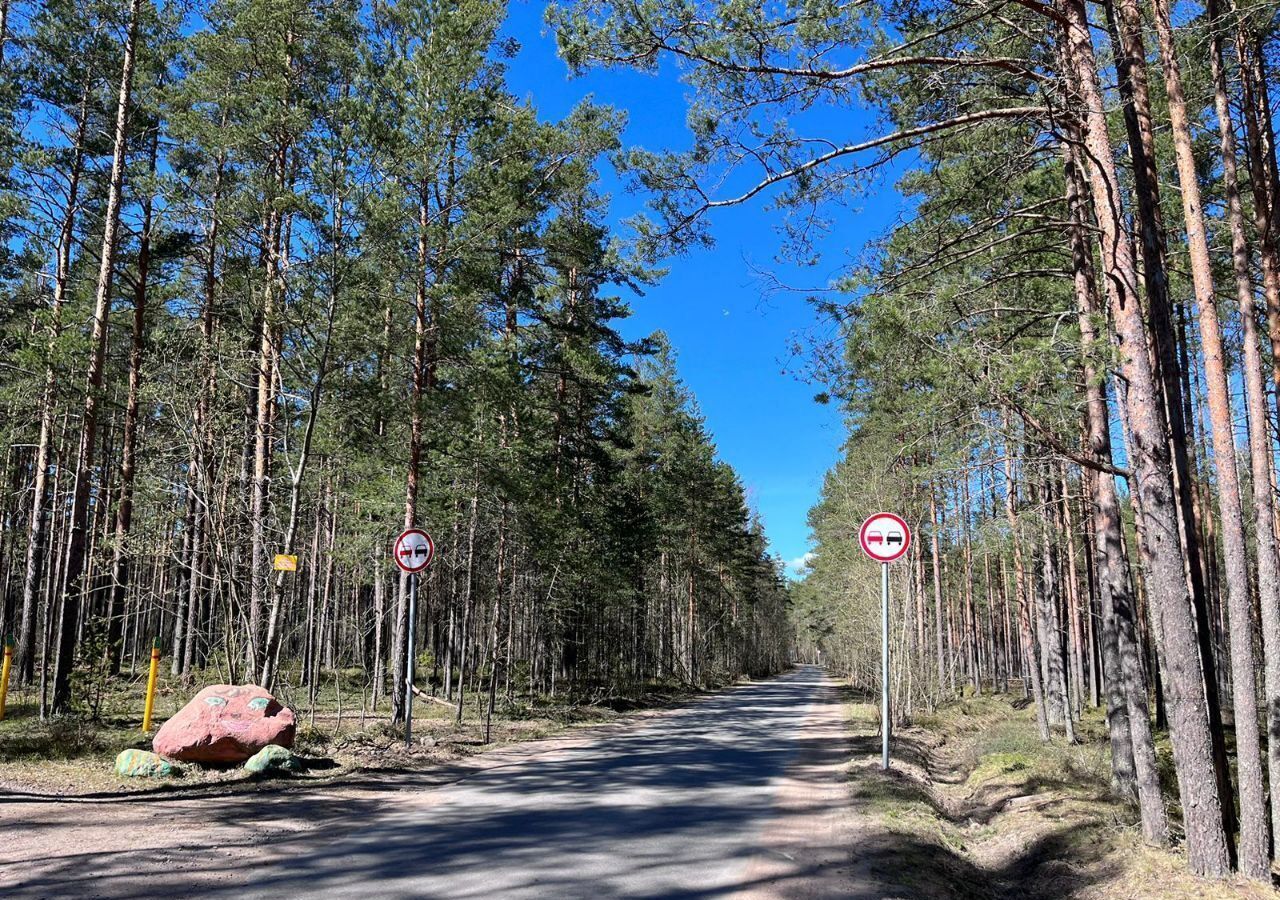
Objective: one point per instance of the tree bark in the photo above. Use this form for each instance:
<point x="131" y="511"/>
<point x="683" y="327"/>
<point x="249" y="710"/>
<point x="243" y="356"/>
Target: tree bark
<point x="1125" y="19"/>
<point x="1256" y="404"/>
<point x="1260" y="146"/>
<point x="400" y="640"/>
<point x="1255" y="857"/>
<point x="1031" y="658"/>
<point x="1071" y="585"/>
<point x="263" y="423"/>
<point x="468" y="593"/>
<point x="120" y="563"/>
<point x="935" y="557"/>
<point x="76" y="555"/>
<point x="1207" y="847"/>
<point x="1134" y="772"/>
<point x="1050" y="627"/>
<point x="270" y="658"/>
<point x="38" y="523"/>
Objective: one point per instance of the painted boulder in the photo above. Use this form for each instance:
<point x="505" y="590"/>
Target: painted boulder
<point x="273" y="758"/>
<point x="225" y="723"/>
<point x="143" y="764"/>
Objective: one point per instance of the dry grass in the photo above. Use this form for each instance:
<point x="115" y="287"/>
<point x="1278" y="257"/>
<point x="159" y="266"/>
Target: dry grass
<point x="339" y="733"/>
<point x="976" y="806"/>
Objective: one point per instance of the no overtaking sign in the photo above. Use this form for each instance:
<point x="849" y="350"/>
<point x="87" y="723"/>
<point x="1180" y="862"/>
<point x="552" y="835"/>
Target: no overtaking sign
<point x="414" y="550"/>
<point x="884" y="537"/>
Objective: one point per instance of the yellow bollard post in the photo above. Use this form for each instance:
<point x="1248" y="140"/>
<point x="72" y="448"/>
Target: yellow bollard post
<point x="151" y="685"/>
<point x="4" y="675"/>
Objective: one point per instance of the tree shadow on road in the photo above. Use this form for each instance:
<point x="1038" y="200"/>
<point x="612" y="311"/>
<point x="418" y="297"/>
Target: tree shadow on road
<point x="676" y="808"/>
<point x="683" y="806"/>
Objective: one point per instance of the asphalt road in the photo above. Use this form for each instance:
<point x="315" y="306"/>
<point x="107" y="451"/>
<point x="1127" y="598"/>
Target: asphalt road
<point x="738" y="794"/>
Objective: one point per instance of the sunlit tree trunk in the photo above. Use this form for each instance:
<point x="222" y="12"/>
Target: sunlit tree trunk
<point x="76" y="550"/>
<point x="1030" y="657"/>
<point x="1161" y="551"/>
<point x="1254" y="832"/>
<point x="400" y="635"/>
<point x="120" y="563"/>
<point x="1256" y="403"/>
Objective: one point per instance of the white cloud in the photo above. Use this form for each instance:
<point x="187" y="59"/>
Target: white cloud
<point x="796" y="567"/>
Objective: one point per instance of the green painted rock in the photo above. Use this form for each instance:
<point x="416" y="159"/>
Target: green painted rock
<point x="143" y="764"/>
<point x="273" y="757"/>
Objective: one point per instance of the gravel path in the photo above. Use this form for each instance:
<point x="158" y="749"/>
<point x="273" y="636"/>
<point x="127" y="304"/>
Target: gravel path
<point x="738" y="794"/>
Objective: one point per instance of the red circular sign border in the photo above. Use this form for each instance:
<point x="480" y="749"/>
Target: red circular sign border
<point x="396" y="558"/>
<point x="906" y="529"/>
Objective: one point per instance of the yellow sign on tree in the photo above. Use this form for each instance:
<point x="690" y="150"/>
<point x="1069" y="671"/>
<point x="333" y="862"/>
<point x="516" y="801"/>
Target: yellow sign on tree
<point x="285" y="563"/>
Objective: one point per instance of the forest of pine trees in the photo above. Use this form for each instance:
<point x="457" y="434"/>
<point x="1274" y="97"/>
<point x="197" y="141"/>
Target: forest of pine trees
<point x="1061" y="362"/>
<point x="285" y="276"/>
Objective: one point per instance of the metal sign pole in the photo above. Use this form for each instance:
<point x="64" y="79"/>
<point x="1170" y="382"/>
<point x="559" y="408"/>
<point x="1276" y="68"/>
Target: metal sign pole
<point x="412" y="552"/>
<point x="884" y="661"/>
<point x="884" y="537"/>
<point x="408" y="666"/>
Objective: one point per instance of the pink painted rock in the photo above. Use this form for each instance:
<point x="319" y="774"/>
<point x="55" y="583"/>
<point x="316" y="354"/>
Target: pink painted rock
<point x="225" y="723"/>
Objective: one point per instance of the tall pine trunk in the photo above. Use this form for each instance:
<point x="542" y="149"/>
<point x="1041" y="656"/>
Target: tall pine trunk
<point x="38" y="527"/>
<point x="263" y="421"/>
<point x="1260" y="145"/>
<point x="1051" y="644"/>
<point x="400" y="648"/>
<point x="1256" y="404"/>
<point x="1133" y="767"/>
<point x="1170" y="360"/>
<point x="77" y="561"/>
<point x="1161" y="551"/>
<point x="120" y="563"/>
<point x="1254" y="832"/>
<point x="1030" y="656"/>
<point x="935" y="558"/>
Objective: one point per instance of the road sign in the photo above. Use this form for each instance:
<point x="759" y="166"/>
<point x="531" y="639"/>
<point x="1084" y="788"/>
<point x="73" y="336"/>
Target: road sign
<point x="285" y="562"/>
<point x="414" y="550"/>
<point x="884" y="537"/>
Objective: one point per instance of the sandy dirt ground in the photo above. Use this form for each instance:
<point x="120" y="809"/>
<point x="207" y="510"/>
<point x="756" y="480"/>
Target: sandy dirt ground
<point x="739" y="794"/>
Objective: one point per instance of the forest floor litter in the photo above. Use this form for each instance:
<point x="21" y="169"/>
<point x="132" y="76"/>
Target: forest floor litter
<point x="72" y="756"/>
<point x="976" y="807"/>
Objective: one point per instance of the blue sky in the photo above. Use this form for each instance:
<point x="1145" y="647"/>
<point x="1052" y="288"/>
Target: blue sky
<point x="732" y="336"/>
